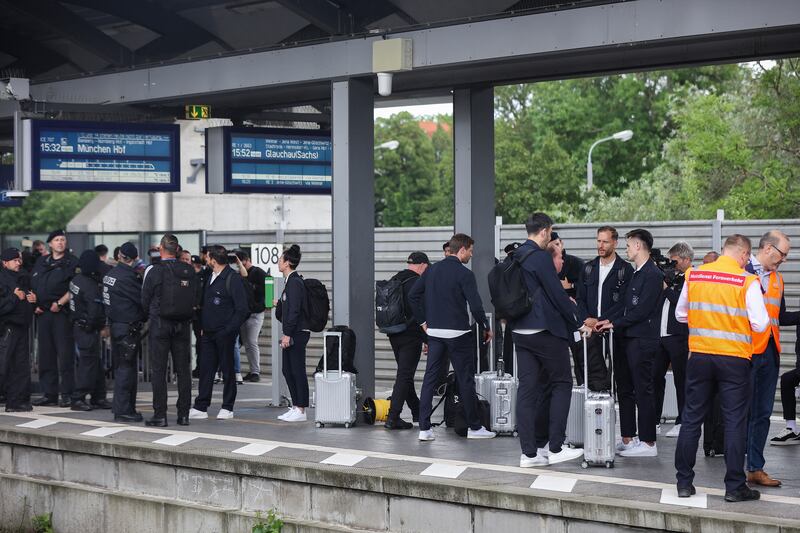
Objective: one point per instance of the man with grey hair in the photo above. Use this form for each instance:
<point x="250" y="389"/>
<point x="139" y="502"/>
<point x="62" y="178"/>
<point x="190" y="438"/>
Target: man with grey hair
<point x="773" y="248"/>
<point x="673" y="350"/>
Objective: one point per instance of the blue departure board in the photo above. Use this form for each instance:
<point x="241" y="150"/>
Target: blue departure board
<point x="102" y="156"/>
<point x="267" y="160"/>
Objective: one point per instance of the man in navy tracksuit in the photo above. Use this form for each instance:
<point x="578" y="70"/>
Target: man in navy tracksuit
<point x="542" y="338"/>
<point x="440" y="300"/>
<point x="225" y="309"/>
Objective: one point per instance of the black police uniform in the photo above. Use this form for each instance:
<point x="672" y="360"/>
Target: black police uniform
<point x="88" y="318"/>
<point x="16" y="317"/>
<point x="50" y="281"/>
<point x="122" y="297"/>
<point x="165" y="337"/>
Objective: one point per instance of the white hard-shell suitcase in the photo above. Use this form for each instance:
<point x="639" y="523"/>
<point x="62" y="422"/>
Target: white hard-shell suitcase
<point x="600" y="416"/>
<point x="670" y="410"/>
<point x="334" y="391"/>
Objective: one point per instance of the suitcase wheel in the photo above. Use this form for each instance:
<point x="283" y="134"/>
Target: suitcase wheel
<point x="609" y="464"/>
<point x="515" y="433"/>
<point x="347" y="425"/>
<point x="320" y="424"/>
<point x="584" y="464"/>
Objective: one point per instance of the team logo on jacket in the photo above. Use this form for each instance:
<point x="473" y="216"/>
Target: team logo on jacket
<point x="217" y="300"/>
<point x="635" y="300"/>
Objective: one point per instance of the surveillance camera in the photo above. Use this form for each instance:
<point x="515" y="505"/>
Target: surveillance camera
<point x="15" y="195"/>
<point x="384" y="83"/>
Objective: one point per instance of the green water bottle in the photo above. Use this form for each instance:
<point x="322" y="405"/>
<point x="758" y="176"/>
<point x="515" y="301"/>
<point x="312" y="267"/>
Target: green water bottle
<point x="269" y="290"/>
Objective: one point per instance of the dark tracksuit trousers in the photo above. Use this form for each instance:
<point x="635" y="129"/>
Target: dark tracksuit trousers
<point x="125" y="371"/>
<point x="170" y="337"/>
<point x="15" y="365"/>
<point x="461" y="351"/>
<point x="294" y="369"/>
<point x="56" y="354"/>
<point x="216" y="353"/>
<point x="89" y="377"/>
<point x="536" y="354"/>
<point x="407" y="349"/>
<point x="633" y="370"/>
<point x="730" y="376"/>
<point x="673" y="352"/>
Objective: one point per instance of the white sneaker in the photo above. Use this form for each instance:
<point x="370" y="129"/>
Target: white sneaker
<point x="224" y="414"/>
<point x="287" y="413"/>
<point x="481" y="433"/>
<point x="642" y="449"/>
<point x="239" y="379"/>
<point x="195" y="414"/>
<point x="674" y="432"/>
<point x="296" y="416"/>
<point x="566" y="454"/>
<point x="529" y="462"/>
<point x="658" y="429"/>
<point x="427" y="434"/>
<point x="621" y="446"/>
<point x="544" y="452"/>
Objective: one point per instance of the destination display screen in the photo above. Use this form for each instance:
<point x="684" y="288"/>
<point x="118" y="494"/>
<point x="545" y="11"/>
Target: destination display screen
<point x="276" y="161"/>
<point x="102" y="156"/>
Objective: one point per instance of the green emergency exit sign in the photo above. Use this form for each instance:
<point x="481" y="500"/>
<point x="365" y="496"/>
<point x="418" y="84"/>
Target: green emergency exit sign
<point x="196" y="112"/>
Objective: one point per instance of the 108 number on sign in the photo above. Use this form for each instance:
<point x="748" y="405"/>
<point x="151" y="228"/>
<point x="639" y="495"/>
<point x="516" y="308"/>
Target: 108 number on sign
<point x="265" y="256"/>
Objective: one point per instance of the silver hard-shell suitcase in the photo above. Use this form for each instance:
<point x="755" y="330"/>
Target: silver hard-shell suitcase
<point x="503" y="400"/>
<point x="334" y="391"/>
<point x="575" y="419"/>
<point x="670" y="410"/>
<point x="600" y="417"/>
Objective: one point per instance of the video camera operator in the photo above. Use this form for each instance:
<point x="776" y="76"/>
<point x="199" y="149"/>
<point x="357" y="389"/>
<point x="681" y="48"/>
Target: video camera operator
<point x="673" y="348"/>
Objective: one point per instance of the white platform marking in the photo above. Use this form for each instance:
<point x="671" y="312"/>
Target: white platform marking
<point x="104" y="432"/>
<point x="344" y="459"/>
<point x="37" y="423"/>
<point x="557" y="484"/>
<point x="176" y="440"/>
<point x="443" y="470"/>
<point x="255" y="449"/>
<point x="670" y="497"/>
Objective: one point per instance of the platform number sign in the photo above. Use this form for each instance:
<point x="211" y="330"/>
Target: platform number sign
<point x="265" y="256"/>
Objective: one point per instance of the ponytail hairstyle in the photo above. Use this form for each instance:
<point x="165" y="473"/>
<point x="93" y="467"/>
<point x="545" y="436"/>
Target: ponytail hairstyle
<point x="292" y="256"/>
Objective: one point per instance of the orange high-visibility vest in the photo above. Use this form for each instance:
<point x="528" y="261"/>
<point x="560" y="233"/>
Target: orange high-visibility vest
<point x="772" y="299"/>
<point x="718" y="321"/>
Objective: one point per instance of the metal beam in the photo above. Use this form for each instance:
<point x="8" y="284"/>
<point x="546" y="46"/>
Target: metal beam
<point x="354" y="220"/>
<point x="507" y="48"/>
<point x="66" y="23"/>
<point x="32" y="56"/>
<point x="323" y="14"/>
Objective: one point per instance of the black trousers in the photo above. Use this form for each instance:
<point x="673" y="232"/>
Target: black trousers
<point x="706" y="373"/>
<point x="634" y="374"/>
<point x="789" y="380"/>
<point x="56" y="354"/>
<point x="672" y="351"/>
<point x="15" y="365"/>
<point x="461" y="352"/>
<point x="125" y="370"/>
<point x="216" y="352"/>
<point x="599" y="375"/>
<point x="538" y="353"/>
<point x="294" y="369"/>
<point x="166" y="338"/>
<point x="407" y="351"/>
<point x="90" y="377"/>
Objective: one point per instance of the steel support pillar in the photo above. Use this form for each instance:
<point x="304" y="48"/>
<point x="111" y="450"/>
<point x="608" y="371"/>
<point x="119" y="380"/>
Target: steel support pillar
<point x="354" y="219"/>
<point x="473" y="139"/>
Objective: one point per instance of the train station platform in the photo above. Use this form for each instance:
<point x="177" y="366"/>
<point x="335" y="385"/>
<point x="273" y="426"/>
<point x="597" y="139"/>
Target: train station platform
<point x="97" y="475"/>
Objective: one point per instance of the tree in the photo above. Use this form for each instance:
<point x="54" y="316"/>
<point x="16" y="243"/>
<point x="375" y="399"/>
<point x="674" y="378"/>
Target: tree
<point x="43" y="211"/>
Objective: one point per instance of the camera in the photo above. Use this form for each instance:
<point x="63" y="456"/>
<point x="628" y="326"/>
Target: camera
<point x="672" y="276"/>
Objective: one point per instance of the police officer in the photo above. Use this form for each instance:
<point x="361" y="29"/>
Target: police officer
<point x="122" y="297"/>
<point x="168" y="296"/>
<point x="723" y="305"/>
<point x="50" y="282"/>
<point x="16" y="315"/>
<point x="88" y="319"/>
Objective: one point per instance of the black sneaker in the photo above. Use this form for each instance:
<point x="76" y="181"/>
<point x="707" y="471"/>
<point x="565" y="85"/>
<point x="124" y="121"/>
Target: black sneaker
<point x="21" y="408"/>
<point x="686" y="492"/>
<point x="253" y="377"/>
<point x="45" y="401"/>
<point x="742" y="494"/>
<point x="787" y="437"/>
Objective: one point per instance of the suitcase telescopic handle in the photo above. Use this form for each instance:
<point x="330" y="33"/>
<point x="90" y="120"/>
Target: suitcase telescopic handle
<point x="479" y="339"/>
<point x="336" y="334"/>
<point x="586" y="365"/>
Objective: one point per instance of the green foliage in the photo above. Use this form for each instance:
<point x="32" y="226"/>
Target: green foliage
<point x="43" y="211"/>
<point x="272" y="524"/>
<point x="43" y="523"/>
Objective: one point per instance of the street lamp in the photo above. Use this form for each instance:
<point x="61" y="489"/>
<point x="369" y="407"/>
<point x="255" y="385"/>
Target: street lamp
<point x="624" y="135"/>
<point x="388" y="145"/>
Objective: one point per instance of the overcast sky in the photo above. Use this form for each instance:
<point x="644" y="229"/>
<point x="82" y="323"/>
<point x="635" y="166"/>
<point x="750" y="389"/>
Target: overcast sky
<point x="417" y="110"/>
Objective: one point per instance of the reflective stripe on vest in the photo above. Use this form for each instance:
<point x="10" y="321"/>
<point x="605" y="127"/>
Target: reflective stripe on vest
<point x="772" y="300"/>
<point x="717" y="316"/>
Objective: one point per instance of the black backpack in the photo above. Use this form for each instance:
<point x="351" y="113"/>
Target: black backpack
<point x="390" y="306"/>
<point x="332" y="351"/>
<point x="508" y="289"/>
<point x="317" y="305"/>
<point x="250" y="291"/>
<point x="178" y="291"/>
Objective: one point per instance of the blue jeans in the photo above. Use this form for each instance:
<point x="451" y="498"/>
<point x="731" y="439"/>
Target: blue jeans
<point x="764" y="380"/>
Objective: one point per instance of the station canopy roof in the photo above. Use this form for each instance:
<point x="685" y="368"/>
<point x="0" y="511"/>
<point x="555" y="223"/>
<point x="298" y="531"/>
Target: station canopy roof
<point x="55" y="39"/>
